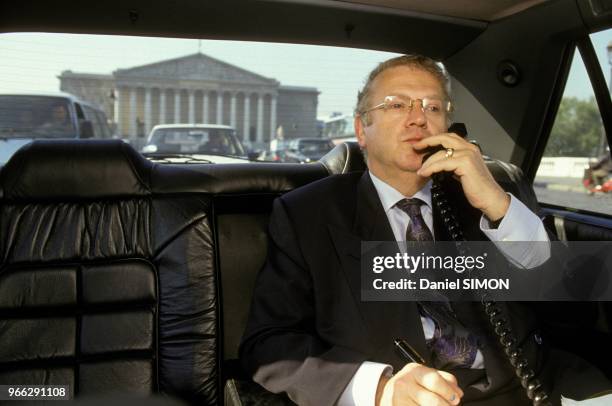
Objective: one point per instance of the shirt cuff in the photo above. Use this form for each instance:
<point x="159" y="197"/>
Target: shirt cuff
<point x="519" y="225"/>
<point x="361" y="390"/>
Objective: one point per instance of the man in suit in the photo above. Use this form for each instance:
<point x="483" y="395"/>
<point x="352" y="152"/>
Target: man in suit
<point x="311" y="336"/>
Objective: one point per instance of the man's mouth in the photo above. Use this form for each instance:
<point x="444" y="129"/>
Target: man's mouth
<point x="412" y="140"/>
<point x="413" y="137"/>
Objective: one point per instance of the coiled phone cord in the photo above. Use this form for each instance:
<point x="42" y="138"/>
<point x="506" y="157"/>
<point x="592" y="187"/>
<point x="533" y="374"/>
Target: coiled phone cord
<point x="533" y="387"/>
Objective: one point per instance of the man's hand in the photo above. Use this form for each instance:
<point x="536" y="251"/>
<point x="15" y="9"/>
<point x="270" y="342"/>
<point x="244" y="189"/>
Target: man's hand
<point x="417" y="384"/>
<point x="467" y="166"/>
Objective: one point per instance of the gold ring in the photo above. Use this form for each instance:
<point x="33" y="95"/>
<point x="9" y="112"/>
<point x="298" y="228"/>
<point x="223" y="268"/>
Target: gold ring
<point x="449" y="152"/>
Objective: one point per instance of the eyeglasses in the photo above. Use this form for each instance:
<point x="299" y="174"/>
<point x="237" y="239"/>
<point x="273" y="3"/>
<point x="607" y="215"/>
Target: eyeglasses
<point x="399" y="106"/>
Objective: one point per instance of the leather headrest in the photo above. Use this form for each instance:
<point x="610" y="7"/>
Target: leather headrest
<point x="52" y="169"/>
<point x="345" y="157"/>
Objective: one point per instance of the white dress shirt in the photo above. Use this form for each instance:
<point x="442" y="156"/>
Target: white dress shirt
<point x="519" y="224"/>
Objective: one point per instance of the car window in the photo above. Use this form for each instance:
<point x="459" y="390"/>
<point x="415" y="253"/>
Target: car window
<point x="79" y="111"/>
<point x="315" y="145"/>
<point x="194" y="140"/>
<point x="575" y="169"/>
<point x="35" y="116"/>
<point x="106" y="131"/>
<point x="339" y="127"/>
<point x="90" y="114"/>
<point x="288" y="92"/>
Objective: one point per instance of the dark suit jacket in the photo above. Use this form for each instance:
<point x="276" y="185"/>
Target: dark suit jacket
<point x="308" y="330"/>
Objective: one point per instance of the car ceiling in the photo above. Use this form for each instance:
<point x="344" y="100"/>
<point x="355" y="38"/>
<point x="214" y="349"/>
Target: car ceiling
<point x="387" y="25"/>
<point x="468" y="9"/>
<point x="471" y="37"/>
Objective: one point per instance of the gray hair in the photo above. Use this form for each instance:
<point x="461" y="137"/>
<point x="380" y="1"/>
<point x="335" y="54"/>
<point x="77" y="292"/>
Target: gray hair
<point x="414" y="61"/>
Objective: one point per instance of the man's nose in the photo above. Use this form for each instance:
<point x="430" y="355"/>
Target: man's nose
<point x="416" y="115"/>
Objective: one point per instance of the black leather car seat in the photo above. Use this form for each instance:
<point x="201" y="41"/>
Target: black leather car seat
<point x="112" y="268"/>
<point x="107" y="282"/>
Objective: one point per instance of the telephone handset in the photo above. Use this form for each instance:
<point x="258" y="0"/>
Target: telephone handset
<point x="499" y="324"/>
<point x="438" y="194"/>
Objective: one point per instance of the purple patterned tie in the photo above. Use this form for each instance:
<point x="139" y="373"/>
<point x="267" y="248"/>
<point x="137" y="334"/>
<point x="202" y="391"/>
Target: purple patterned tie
<point x="417" y="230"/>
<point x="452" y="345"/>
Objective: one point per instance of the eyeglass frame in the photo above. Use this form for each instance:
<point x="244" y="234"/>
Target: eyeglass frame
<point x="449" y="104"/>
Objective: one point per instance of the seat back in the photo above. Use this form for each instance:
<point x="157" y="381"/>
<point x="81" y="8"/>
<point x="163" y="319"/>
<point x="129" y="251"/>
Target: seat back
<point x="107" y="283"/>
<point x="111" y="267"/>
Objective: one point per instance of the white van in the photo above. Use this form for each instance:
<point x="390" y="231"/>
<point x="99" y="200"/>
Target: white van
<point x="25" y="117"/>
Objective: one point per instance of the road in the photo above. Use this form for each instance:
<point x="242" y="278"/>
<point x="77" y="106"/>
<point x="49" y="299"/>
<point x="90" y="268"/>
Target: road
<point x="571" y="196"/>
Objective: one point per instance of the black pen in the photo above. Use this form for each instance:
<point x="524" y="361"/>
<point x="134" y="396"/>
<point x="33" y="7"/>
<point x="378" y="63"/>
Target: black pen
<point x="409" y="354"/>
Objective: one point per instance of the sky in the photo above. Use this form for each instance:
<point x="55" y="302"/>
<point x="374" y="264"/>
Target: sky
<point x="578" y="84"/>
<point x="31" y="62"/>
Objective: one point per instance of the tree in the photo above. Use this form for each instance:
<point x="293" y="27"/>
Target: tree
<point x="577" y="129"/>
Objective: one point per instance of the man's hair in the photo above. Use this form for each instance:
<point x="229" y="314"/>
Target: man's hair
<point x="413" y="61"/>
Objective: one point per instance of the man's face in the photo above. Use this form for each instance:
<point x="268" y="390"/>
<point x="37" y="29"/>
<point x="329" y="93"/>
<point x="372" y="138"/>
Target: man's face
<point x="388" y="138"/>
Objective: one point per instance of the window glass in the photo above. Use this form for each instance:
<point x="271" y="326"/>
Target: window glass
<point x="79" y="111"/>
<point x="286" y="92"/>
<point x="24" y="115"/>
<point x="92" y="116"/>
<point x="576" y="166"/>
<point x="195" y="139"/>
<point x="106" y="131"/>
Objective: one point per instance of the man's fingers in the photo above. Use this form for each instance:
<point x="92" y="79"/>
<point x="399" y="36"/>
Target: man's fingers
<point x="409" y="391"/>
<point x="450" y="378"/>
<point x="432" y="381"/>
<point x="423" y="396"/>
<point x="448" y="164"/>
<point x="438" y="163"/>
<point x="424" y="385"/>
<point x="447" y="140"/>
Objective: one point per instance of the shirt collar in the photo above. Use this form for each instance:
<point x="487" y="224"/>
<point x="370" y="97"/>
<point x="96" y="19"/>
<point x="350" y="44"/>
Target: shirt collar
<point x="389" y="196"/>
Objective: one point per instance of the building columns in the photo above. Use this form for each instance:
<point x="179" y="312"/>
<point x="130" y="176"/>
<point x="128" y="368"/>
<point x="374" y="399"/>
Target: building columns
<point x="162" y="106"/>
<point x="233" y="110"/>
<point x="219" y="108"/>
<point x="205" y="107"/>
<point x="126" y="99"/>
<point x="247" y="118"/>
<point x="273" y="118"/>
<point x="147" y="112"/>
<point x="260" y="99"/>
<point x="177" y="106"/>
<point x="191" y="106"/>
<point x="133" y="125"/>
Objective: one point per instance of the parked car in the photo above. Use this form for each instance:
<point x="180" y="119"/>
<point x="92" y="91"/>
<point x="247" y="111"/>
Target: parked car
<point x="123" y="275"/>
<point x="304" y="150"/>
<point x="194" y="139"/>
<point x="25" y="117"/>
<point x="275" y="155"/>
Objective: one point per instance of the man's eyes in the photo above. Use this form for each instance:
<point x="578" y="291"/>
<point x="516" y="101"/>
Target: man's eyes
<point x="430" y="107"/>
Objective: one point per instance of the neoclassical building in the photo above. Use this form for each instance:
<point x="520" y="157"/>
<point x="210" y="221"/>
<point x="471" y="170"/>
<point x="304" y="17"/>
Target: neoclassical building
<point x="198" y="89"/>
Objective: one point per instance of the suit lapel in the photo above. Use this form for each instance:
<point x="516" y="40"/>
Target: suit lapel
<point x="384" y="321"/>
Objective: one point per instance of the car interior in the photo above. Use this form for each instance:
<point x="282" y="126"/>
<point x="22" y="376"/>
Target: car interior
<point x="122" y="275"/>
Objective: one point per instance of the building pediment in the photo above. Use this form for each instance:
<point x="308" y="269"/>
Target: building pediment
<point x="195" y="67"/>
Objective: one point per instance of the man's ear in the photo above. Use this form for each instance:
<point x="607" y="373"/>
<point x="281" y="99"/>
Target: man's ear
<point x="359" y="130"/>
